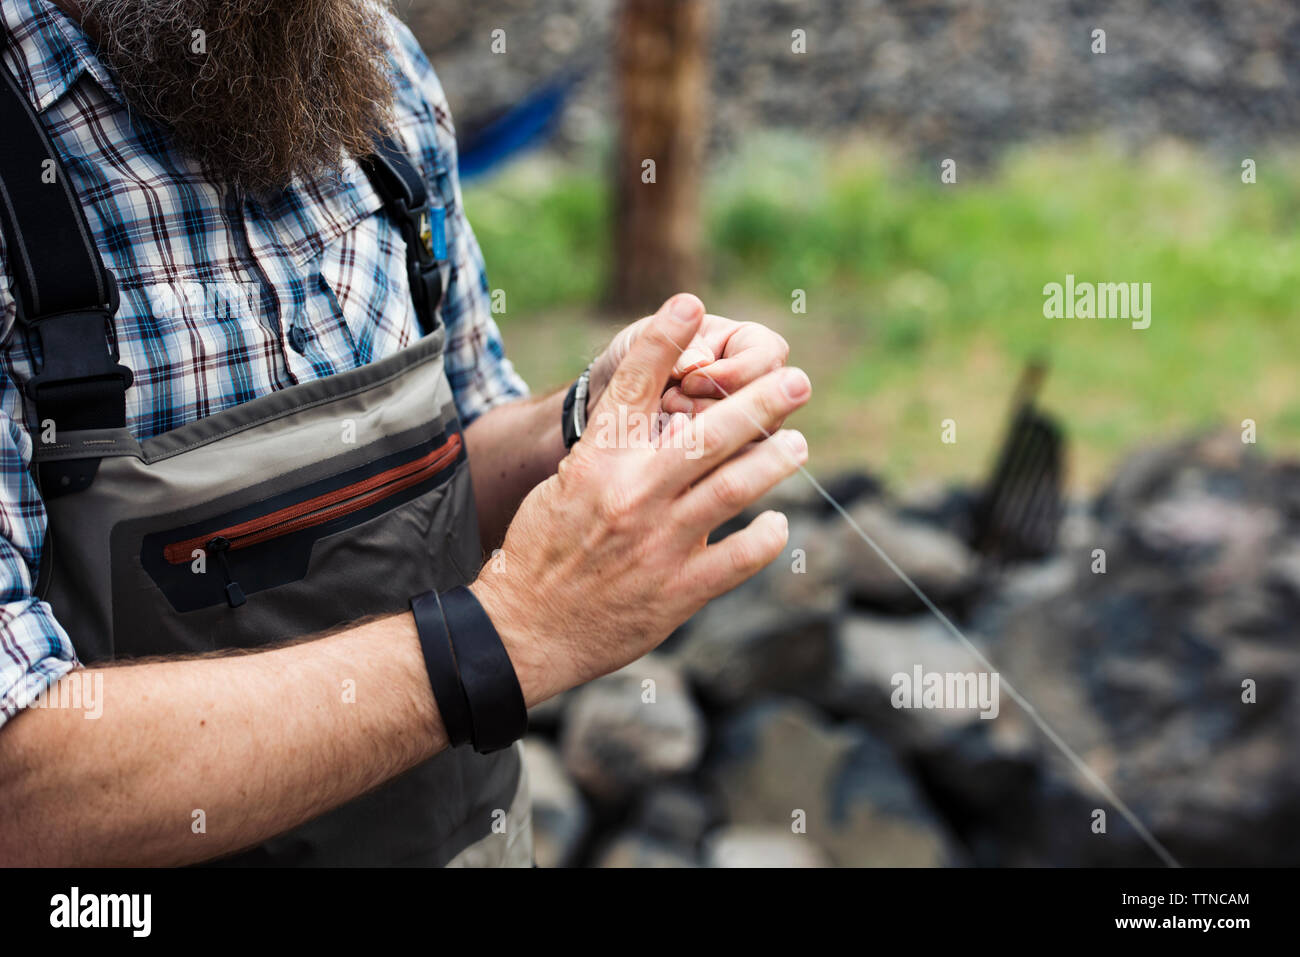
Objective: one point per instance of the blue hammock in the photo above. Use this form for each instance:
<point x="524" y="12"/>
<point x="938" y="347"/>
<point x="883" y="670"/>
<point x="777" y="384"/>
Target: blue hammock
<point x="527" y="124"/>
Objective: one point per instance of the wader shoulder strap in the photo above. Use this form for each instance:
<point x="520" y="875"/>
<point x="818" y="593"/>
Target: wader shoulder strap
<point x="402" y="188"/>
<point x="67" y="298"/>
<point x="65" y="295"/>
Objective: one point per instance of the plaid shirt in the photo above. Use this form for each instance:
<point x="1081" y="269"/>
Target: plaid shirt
<point x="223" y="299"/>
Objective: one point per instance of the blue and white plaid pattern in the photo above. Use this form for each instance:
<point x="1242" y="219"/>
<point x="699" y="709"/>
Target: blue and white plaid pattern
<point x="223" y="300"/>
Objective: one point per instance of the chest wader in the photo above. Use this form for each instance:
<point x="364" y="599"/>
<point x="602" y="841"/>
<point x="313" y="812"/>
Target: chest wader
<point x="296" y="512"/>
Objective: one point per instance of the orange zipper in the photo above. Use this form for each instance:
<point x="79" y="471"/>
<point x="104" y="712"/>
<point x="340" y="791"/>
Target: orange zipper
<point x="322" y="508"/>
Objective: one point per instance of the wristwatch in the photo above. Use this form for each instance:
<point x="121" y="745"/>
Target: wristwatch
<point x="573" y="419"/>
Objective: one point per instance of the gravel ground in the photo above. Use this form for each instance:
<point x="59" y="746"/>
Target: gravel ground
<point x="938" y="77"/>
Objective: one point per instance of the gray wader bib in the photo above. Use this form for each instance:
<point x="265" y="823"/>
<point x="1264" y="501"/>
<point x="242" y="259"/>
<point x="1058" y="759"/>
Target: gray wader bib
<point x="273" y="505"/>
<point x="296" y="512"/>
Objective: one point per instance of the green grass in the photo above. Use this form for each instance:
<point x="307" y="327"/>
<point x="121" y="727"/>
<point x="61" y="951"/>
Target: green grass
<point x="543" y="231"/>
<point x="924" y="299"/>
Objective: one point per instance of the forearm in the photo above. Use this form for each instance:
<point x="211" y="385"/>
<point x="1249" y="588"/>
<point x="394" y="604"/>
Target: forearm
<point x="512" y="449"/>
<point x="259" y="743"/>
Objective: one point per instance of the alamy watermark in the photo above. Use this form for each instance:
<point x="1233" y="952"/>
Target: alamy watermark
<point x="80" y="690"/>
<point x="74" y="909"/>
<point x="960" y="690"/>
<point x="1106" y="300"/>
<point x="629" y="429"/>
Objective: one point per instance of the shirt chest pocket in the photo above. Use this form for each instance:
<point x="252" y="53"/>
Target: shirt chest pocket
<point x="197" y="345"/>
<point x="361" y="278"/>
<point x="366" y="271"/>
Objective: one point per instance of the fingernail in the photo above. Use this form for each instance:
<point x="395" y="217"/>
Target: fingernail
<point x="795" y="441"/>
<point x="694" y="357"/>
<point x="685" y="308"/>
<point x="795" y="383"/>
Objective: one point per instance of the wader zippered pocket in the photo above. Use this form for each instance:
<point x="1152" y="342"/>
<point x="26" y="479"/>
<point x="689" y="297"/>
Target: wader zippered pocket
<point x="322" y="508"/>
<point x="267" y="544"/>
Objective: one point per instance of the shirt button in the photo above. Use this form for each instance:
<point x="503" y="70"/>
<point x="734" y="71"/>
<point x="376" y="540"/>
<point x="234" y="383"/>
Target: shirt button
<point x="298" y="339"/>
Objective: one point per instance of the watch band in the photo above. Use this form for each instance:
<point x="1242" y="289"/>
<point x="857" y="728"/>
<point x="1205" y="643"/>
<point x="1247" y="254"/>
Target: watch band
<point x="496" y="702"/>
<point x="573" y="419"/>
<point x="439" y="662"/>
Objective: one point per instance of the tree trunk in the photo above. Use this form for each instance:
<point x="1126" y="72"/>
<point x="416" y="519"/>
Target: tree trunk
<point x="662" y="76"/>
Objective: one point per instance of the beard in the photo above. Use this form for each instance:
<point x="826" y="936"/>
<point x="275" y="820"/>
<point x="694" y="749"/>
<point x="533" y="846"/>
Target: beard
<point x="270" y="90"/>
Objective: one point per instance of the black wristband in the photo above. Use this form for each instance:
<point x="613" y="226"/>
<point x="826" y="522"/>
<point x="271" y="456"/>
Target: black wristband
<point x="439" y="662"/>
<point x="496" y="702"/>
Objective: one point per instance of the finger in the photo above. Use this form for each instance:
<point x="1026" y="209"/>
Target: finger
<point x="738" y="483"/>
<point x="718" y="432"/>
<point x="677" y="401"/>
<point x="639" y="380"/>
<point x="738" y="557"/>
<point x="697" y="355"/>
<point x="751" y="351"/>
<point x="674" y="401"/>
<point x="622" y="342"/>
<point x="716" y="332"/>
<point x="719" y="379"/>
<point x="725" y="376"/>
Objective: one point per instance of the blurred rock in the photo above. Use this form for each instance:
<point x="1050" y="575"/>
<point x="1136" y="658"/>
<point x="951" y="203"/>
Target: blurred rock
<point x="949" y="508"/>
<point x="773" y="633"/>
<point x="631" y="849"/>
<point x="1141" y="672"/>
<point x="630" y="729"/>
<point x="1028" y="583"/>
<point x="1140" y="669"/>
<point x="546" y="716"/>
<point x="676" y="814"/>
<point x="778" y="764"/>
<point x="1286" y="481"/>
<point x="1079" y="528"/>
<point x="560" y="816"/>
<point x="983" y="777"/>
<point x="1190" y="523"/>
<point x="870" y="650"/>
<point x="1218" y="463"/>
<point x="938" y="563"/>
<point x="846" y="488"/>
<point x="1284" y="568"/>
<point x="1031" y="582"/>
<point x="795" y="494"/>
<point x="761" y="847"/>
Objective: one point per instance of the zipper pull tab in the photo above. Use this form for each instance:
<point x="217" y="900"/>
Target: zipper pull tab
<point x="234" y="594"/>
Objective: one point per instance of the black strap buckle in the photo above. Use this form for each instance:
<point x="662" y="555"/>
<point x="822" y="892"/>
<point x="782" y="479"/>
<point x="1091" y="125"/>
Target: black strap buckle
<point x="418" y="226"/>
<point x="64" y="363"/>
<point x="81" y="384"/>
<point x="423" y="267"/>
<point x="406" y="199"/>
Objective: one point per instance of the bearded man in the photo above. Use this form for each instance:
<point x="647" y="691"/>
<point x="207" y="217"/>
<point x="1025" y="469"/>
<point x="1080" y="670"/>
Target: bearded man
<point x="249" y="479"/>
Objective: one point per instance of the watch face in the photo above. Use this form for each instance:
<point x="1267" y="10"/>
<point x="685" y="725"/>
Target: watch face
<point x="580" y="402"/>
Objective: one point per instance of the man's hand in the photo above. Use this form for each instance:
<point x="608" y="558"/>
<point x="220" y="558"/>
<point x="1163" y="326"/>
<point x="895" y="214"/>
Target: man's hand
<point x="518" y="445"/>
<point x="604" y="559"/>
<point x="722" y="357"/>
